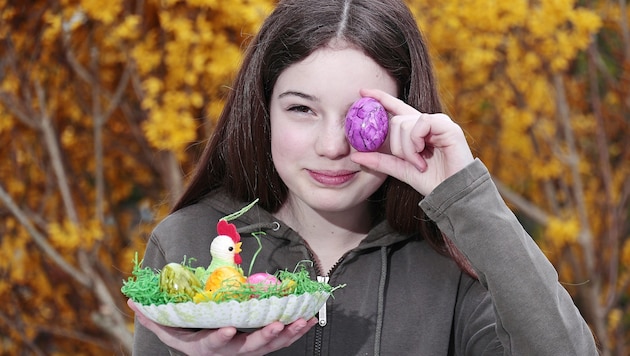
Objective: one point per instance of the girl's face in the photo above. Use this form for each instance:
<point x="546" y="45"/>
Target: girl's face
<point x="308" y="144"/>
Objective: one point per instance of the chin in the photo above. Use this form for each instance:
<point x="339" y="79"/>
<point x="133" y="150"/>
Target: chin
<point x="335" y="202"/>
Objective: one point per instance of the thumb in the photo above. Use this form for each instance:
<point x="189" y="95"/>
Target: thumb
<point x="384" y="163"/>
<point x="394" y="167"/>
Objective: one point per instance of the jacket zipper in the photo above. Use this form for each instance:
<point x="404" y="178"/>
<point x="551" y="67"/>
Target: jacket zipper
<point x="319" y="329"/>
<point x="322" y="311"/>
<point x="322" y="317"/>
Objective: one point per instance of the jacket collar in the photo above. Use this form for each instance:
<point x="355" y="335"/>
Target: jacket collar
<point x="381" y="235"/>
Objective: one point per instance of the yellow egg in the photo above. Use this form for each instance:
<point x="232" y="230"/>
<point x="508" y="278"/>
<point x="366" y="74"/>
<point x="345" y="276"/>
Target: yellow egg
<point x="205" y="296"/>
<point x="288" y="286"/>
<point x="225" y="277"/>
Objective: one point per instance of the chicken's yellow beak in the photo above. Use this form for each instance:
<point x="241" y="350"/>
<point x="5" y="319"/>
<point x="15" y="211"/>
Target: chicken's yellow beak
<point x="238" y="247"/>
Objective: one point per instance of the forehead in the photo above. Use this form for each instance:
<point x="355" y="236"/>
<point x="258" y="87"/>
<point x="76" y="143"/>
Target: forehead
<point x="334" y="69"/>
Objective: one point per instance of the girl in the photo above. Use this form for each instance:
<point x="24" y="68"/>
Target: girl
<point x="375" y="221"/>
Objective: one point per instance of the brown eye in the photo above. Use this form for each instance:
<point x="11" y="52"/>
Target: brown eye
<point x="300" y="108"/>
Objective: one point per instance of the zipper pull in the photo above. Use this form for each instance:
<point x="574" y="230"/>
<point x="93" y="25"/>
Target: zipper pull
<point x="322" y="310"/>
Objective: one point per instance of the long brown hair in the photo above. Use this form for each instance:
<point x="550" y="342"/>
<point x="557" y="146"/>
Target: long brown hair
<point x="238" y="155"/>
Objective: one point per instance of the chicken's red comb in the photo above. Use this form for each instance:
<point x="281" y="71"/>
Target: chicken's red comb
<point x="225" y="228"/>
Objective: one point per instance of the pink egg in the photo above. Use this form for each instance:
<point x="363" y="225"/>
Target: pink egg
<point x="366" y="125"/>
<point x="262" y="278"/>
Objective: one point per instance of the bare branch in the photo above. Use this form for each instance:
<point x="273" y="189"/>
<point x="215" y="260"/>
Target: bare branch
<point x="95" y="281"/>
<point x="573" y="160"/>
<point x="52" y="145"/>
<point x="623" y="24"/>
<point x="71" y="334"/>
<point x="113" y="323"/>
<point x="592" y="291"/>
<point x="116" y="98"/>
<point x="99" y="120"/>
<point x="41" y="240"/>
<point x="9" y="100"/>
<point x="75" y="64"/>
<point x="25" y="339"/>
<point x="522" y="204"/>
<point x="606" y="172"/>
<point x="15" y="108"/>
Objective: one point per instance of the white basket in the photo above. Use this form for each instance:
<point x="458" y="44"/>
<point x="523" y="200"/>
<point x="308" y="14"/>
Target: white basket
<point x="254" y="313"/>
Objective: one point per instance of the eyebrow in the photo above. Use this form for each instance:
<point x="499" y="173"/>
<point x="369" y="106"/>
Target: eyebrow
<point x="298" y="94"/>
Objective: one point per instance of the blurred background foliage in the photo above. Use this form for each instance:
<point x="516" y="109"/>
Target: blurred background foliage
<point x="105" y="104"/>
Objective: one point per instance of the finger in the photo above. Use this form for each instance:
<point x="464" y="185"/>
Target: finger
<point x="407" y="141"/>
<point x="289" y="335"/>
<point x="272" y="330"/>
<point x="132" y="305"/>
<point x="146" y="322"/>
<point x="261" y="340"/>
<point x="413" y="146"/>
<point x="384" y="163"/>
<point x="141" y="318"/>
<point x="273" y="337"/>
<point x="420" y="134"/>
<point x="391" y="103"/>
<point x="293" y="332"/>
<point x="164" y="333"/>
<point x="216" y="338"/>
<point x="296" y="331"/>
<point x="220" y="337"/>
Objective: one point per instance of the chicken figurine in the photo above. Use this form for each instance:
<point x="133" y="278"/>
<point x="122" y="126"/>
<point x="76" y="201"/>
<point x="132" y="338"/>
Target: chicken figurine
<point x="224" y="270"/>
<point x="226" y="247"/>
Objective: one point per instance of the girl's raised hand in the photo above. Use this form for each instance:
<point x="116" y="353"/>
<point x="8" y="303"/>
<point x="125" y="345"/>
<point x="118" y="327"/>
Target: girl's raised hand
<point x="226" y="341"/>
<point x="421" y="150"/>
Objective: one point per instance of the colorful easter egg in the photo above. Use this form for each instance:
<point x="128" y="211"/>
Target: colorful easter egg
<point x="366" y="124"/>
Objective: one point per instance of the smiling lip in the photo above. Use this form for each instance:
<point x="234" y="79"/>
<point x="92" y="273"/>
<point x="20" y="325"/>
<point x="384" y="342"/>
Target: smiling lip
<point x="332" y="178"/>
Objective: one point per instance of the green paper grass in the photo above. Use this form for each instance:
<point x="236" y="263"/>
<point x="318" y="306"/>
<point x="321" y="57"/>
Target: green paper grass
<point x="144" y="287"/>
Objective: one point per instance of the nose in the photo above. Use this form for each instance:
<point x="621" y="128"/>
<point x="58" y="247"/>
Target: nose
<point x="331" y="141"/>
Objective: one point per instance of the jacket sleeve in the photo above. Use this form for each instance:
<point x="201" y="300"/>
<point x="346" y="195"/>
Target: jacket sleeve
<point x="535" y="314"/>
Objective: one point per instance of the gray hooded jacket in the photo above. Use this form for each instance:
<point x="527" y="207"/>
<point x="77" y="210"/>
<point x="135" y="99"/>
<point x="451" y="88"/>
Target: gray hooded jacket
<point x="401" y="297"/>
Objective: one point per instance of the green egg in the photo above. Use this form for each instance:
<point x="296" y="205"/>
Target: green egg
<point x="175" y="279"/>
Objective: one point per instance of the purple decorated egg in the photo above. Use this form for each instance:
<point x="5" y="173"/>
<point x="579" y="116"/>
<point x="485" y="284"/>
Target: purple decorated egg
<point x="366" y="124"/>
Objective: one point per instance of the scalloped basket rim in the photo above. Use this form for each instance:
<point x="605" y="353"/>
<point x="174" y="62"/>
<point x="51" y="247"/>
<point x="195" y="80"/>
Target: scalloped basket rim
<point x="254" y="313"/>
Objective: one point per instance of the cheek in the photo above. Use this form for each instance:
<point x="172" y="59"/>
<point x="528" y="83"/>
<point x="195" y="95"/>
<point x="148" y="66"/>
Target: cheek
<point x="284" y="147"/>
<point x="375" y="180"/>
<point x="278" y="140"/>
<point x="288" y="140"/>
